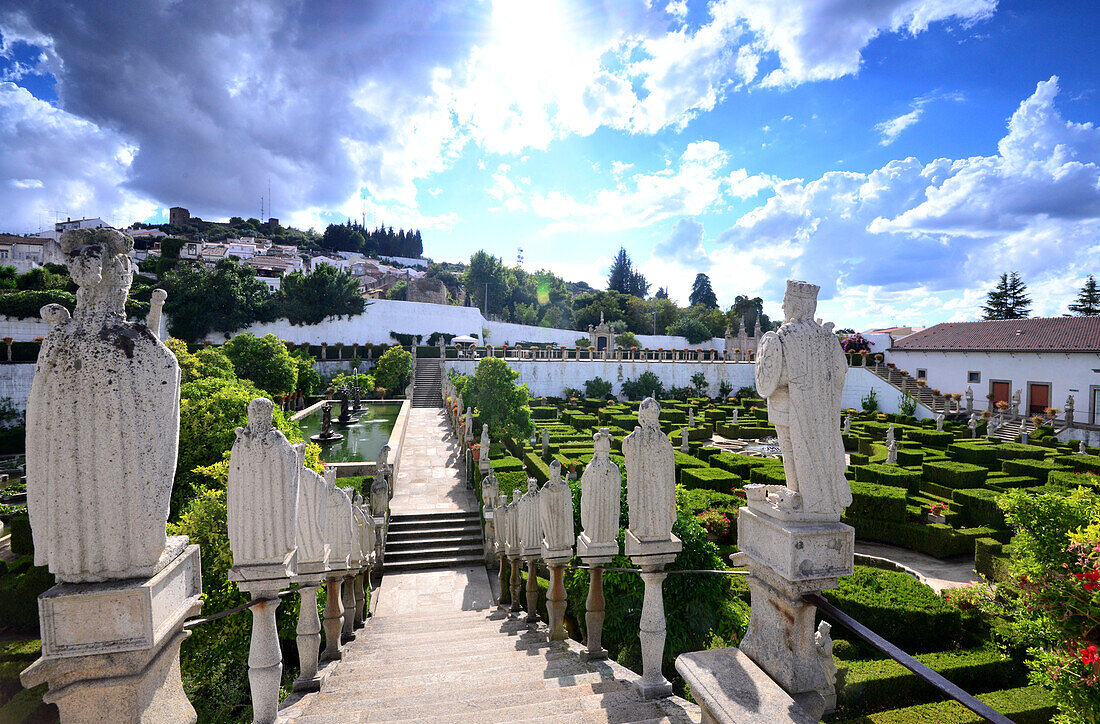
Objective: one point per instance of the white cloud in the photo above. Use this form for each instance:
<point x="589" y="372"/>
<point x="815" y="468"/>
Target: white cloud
<point x="892" y="128"/>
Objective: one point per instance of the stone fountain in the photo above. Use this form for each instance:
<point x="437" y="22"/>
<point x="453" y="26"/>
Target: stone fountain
<point x="327" y="436"/>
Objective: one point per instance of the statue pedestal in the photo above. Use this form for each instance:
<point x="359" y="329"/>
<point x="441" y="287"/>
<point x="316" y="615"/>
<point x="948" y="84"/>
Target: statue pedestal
<point x="652" y="557"/>
<point x="555" y="594"/>
<point x="311" y="575"/>
<point x="490" y="537"/>
<point x="787" y="560"/>
<point x="110" y="651"/>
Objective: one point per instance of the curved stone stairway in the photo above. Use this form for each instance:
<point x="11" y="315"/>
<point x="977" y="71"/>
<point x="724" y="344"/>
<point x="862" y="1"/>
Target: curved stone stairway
<point x="481" y="665"/>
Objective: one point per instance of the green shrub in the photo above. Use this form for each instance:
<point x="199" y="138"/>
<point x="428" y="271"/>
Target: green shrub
<point x="583" y="422"/>
<point x="710" y="478"/>
<point x="739" y="465"/>
<point x="1082" y="463"/>
<point x="510" y="480"/>
<point x="931" y="438"/>
<point x="899" y="608"/>
<point x="880" y="684"/>
<point x="768" y="475"/>
<point x="934" y="539"/>
<point x="985" y="550"/>
<point x="597" y="388"/>
<point x="987" y="455"/>
<point x="891" y="475"/>
<point x="1038" y="469"/>
<point x="547" y="412"/>
<point x="910" y="458"/>
<point x="22" y="543"/>
<point x="858" y="459"/>
<point x="536" y="467"/>
<point x="954" y="475"/>
<point x="880" y="502"/>
<point x="263" y="361"/>
<point x="693" y="501"/>
<point x="1024" y="705"/>
<point x="505" y="465"/>
<point x="19" y="591"/>
<point x="979" y="507"/>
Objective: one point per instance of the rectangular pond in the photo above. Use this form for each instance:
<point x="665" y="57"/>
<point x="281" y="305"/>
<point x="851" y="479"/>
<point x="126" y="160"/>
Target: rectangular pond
<point x="362" y="439"/>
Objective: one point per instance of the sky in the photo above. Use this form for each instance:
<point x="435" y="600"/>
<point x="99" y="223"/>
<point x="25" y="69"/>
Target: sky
<point x="900" y="154"/>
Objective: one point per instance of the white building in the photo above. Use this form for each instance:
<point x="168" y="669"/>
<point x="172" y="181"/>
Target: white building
<point x="1046" y="359"/>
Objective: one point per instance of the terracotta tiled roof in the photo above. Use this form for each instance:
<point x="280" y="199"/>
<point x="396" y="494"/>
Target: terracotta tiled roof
<point x="1055" y="334"/>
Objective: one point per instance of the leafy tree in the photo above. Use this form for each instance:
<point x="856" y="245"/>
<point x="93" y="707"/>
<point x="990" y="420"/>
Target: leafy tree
<point x="501" y="403"/>
<point x="661" y="313"/>
<point x="647" y="384"/>
<point x="264" y="361"/>
<point x="627" y="340"/>
<point x="597" y="388"/>
<point x="1008" y="299"/>
<point x="662" y="293"/>
<point x="750" y="309"/>
<point x="206" y="362"/>
<point x="615" y="307"/>
<point x="326" y="291"/>
<point x="699" y="382"/>
<point x="309" y="379"/>
<point x="702" y="294"/>
<point x="487" y="272"/>
<point x="40" y="278"/>
<point x="1088" y="301"/>
<point x="691" y="328"/>
<point x="343" y="237"/>
<point x="224" y="300"/>
<point x="624" y="278"/>
<point x="393" y="369"/>
<point x="399" y="292"/>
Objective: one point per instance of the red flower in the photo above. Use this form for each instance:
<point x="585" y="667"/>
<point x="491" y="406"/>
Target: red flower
<point x="1089" y="656"/>
<point x="1091" y="579"/>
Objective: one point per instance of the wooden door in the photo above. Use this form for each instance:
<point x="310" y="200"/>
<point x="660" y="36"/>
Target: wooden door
<point x="1038" y="398"/>
<point x="1002" y="392"/>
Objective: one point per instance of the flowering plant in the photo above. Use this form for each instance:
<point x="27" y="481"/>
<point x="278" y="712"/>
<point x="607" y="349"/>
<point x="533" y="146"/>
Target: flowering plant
<point x="714" y="522"/>
<point x="1002" y="405"/>
<point x="937" y="508"/>
<point x="856" y="343"/>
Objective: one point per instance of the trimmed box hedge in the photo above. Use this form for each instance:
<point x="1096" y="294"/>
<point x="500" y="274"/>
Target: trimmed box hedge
<point x="1023" y="705"/>
<point x="938" y="541"/>
<point x="899" y="608"/>
<point x="1038" y="469"/>
<point x="931" y="438"/>
<point x="544" y="413"/>
<point x="873" y="501"/>
<point x="710" y="479"/>
<point x="892" y="475"/>
<point x="505" y="464"/>
<point x="985" y="550"/>
<point x="739" y="465"/>
<point x="768" y="475"/>
<point x="979" y="507"/>
<point x="954" y="475"/>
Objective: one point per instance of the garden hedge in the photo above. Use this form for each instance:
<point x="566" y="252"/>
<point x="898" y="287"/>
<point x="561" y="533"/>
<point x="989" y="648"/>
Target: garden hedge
<point x="1038" y="469"/>
<point x="511" y="480"/>
<point x="1023" y="705"/>
<point x="899" y="608"/>
<point x="880" y="684"/>
<point x="931" y="438"/>
<point x="686" y="461"/>
<point x="954" y="475"/>
<point x="892" y="475"/>
<point x="694" y="501"/>
<point x="22" y="543"/>
<point x="544" y="413"/>
<point x="535" y="467"/>
<point x="873" y="501"/>
<point x="985" y="550"/>
<point x="505" y="464"/>
<point x="768" y="475"/>
<point x="979" y="507"/>
<point x="1068" y="479"/>
<point x="934" y="539"/>
<point x="980" y="452"/>
<point x="709" y="478"/>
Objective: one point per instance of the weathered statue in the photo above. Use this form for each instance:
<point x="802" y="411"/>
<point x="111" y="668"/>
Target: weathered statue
<point x="530" y="527"/>
<point x="556" y="513"/>
<point x="483" y="450"/>
<point x="311" y="512"/>
<point x="800" y="370"/>
<point x="938" y="417"/>
<point x="823" y="642"/>
<point x="848" y="424"/>
<point x="326" y="420"/>
<point x="601" y="490"/>
<point x="650" y="476"/>
<point x="262" y="493"/>
<point x="890" y="435"/>
<point x="339" y="530"/>
<point x="489" y="490"/>
<point x="102" y="425"/>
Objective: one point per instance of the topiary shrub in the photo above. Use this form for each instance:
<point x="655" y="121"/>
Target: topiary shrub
<point x="892" y="475"/>
<point x="881" y="502"/>
<point x="954" y="475"/>
<point x="979" y="507"/>
<point x="1038" y="469"/>
<point x="899" y="608"/>
<point x="709" y="478"/>
<point x="931" y="438"/>
<point x="22" y="543"/>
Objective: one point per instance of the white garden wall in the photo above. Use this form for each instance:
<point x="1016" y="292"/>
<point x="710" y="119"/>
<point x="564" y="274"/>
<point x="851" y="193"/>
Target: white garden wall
<point x="23" y="330"/>
<point x="15" y="382"/>
<point x="859" y="382"/>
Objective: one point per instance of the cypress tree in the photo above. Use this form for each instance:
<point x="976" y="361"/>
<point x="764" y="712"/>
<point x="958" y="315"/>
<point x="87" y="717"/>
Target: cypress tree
<point x="702" y="293"/>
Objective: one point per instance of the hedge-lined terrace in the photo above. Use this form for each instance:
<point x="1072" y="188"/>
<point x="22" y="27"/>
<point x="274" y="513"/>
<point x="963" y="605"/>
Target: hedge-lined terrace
<point x="890" y="504"/>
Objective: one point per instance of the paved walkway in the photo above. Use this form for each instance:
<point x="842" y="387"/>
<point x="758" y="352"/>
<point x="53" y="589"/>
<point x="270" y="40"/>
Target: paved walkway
<point x="429" y="470"/>
<point x="935" y="572"/>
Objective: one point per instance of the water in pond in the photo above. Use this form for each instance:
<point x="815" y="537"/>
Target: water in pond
<point x="767" y="446"/>
<point x="362" y="440"/>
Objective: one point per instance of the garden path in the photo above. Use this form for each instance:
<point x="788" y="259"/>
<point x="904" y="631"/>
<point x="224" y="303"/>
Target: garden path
<point x="936" y="573"/>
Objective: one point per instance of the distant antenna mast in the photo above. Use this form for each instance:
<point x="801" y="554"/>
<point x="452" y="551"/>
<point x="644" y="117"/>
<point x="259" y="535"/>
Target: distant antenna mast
<point x="261" y="206"/>
<point x="270" y="212"/>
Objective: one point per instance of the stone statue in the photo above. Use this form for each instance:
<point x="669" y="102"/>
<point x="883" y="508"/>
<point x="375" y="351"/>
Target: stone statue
<point x="969" y="399"/>
<point x="530" y="529"/>
<point x="733" y="416"/>
<point x="483" y="453"/>
<point x="500" y="518"/>
<point x="800" y="370"/>
<point x="379" y="490"/>
<point x="545" y="442"/>
<point x="890" y="435"/>
<point x="823" y="642"/>
<point x="102" y="425"/>
<point x="601" y="488"/>
<point x="381" y="467"/>
<point x="650" y="476"/>
<point x="1081" y="448"/>
<point x="938" y="417"/>
<point x="326" y="420"/>
<point x="156" y="310"/>
<point x="691" y="417"/>
<point x="469" y="424"/>
<point x="685" y="443"/>
<point x="892" y="453"/>
<point x="973" y="424"/>
<point x="1069" y="410"/>
<point x="512" y="540"/>
<point x="556" y="516"/>
<point x="262" y="493"/>
<point x="848" y="424"/>
<point x="339" y="532"/>
<point x="345" y="405"/>
<point x="490" y="489"/>
<point x="311" y="512"/>
<point x="1016" y="403"/>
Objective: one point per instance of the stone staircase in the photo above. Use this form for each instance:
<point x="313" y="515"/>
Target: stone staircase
<point x="433" y="540"/>
<point x="426" y="390"/>
<point x="921" y="394"/>
<point x="475" y="666"/>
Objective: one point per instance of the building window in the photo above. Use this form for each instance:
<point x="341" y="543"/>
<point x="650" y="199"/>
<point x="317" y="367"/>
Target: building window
<point x="973" y="376"/>
<point x="922" y="374"/>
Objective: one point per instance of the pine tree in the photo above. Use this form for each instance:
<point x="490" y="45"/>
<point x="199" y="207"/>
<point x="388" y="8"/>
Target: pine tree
<point x="1088" y="301"/>
<point x="624" y="278"/>
<point x="1008" y="299"/>
<point x="662" y="293"/>
<point x="702" y="293"/>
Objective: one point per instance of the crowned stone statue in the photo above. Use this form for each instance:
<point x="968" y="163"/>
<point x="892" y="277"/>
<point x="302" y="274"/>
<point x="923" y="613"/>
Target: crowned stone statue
<point x="650" y="477"/>
<point x="102" y="426"/>
<point x="556" y="516"/>
<point x="262" y="496"/>
<point x="601" y="491"/>
<point x="311" y="513"/>
<point x="800" y="369"/>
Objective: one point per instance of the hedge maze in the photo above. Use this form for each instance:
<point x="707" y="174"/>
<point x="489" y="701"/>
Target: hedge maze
<point x="891" y="504"/>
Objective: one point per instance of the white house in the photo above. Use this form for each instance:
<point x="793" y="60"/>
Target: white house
<point x="1046" y="359"/>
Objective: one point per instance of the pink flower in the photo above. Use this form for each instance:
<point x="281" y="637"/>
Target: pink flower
<point x="1089" y="656"/>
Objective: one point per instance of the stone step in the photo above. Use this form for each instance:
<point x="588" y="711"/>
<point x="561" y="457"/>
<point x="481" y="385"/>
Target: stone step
<point x="411" y="639"/>
<point x="411" y="543"/>
<point x="433" y="518"/>
<point x="491" y="644"/>
<point x="612" y="708"/>
<point x="415" y="528"/>
<point x="479" y="662"/>
<point x="404" y="533"/>
<point x="428" y="563"/>
<point x="474" y="547"/>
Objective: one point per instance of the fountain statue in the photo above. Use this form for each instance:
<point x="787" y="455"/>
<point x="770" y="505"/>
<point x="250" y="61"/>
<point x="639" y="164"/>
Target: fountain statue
<point x="327" y="435"/>
<point x="345" y="417"/>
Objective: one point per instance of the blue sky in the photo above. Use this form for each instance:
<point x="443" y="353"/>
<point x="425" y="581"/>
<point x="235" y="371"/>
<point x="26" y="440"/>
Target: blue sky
<point x="901" y="154"/>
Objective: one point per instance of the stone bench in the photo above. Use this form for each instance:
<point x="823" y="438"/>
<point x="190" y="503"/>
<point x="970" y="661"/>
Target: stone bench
<point x="731" y="689"/>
